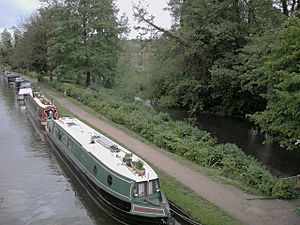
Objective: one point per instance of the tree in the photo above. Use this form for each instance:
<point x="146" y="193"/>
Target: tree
<point x="281" y="70"/>
<point x="6" y="46"/>
<point x="30" y="50"/>
<point x="288" y="7"/>
<point x="86" y="40"/>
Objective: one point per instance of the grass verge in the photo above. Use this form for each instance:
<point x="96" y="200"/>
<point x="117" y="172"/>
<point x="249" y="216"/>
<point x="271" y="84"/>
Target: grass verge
<point x="298" y="210"/>
<point x="200" y="210"/>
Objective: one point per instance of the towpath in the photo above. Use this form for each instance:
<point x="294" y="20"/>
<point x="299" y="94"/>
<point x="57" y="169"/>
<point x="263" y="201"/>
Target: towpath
<point x="246" y="208"/>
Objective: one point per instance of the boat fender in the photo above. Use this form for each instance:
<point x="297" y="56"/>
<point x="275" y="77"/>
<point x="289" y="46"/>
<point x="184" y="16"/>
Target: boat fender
<point x="56" y="115"/>
<point x="49" y="127"/>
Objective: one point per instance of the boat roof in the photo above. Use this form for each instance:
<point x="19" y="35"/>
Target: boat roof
<point x="39" y="97"/>
<point x="25" y="84"/>
<point x="19" y="79"/>
<point x="24" y="91"/>
<point x="103" y="149"/>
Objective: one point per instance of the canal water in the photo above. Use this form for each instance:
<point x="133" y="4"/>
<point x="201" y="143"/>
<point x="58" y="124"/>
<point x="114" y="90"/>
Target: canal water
<point x="279" y="161"/>
<point x="35" y="188"/>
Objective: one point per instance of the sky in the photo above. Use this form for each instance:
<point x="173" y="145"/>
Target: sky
<point x="13" y="12"/>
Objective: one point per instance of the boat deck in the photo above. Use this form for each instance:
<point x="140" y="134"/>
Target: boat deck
<point x="38" y="99"/>
<point x="104" y="149"/>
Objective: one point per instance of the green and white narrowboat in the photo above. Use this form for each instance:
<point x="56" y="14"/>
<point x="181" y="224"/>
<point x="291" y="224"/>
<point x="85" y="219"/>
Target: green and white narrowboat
<point x="123" y="184"/>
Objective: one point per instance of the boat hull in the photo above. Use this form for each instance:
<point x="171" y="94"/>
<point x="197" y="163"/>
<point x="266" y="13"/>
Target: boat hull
<point x="114" y="207"/>
<point x="37" y="120"/>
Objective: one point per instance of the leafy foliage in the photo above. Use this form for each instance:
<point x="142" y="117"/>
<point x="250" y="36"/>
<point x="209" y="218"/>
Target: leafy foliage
<point x="84" y="40"/>
<point x="281" y="71"/>
<point x="298" y="210"/>
<point x="225" y="57"/>
<point x="6" y="47"/>
<point x="71" y="39"/>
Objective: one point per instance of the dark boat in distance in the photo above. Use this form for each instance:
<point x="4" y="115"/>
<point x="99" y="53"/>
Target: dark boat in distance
<point x="122" y="184"/>
<point x="40" y="108"/>
<point x="11" y="77"/>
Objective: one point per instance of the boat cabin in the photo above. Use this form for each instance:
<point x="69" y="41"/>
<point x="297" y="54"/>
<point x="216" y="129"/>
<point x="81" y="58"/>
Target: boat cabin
<point x="40" y="108"/>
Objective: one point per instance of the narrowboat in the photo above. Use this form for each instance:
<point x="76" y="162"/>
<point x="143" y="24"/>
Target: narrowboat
<point x="11" y="77"/>
<point x="40" y="108"/>
<point x="18" y="82"/>
<point x="122" y="184"/>
<point x="25" y="84"/>
<point x="23" y="92"/>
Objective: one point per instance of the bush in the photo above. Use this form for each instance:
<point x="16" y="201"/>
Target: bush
<point x="257" y="176"/>
<point x="180" y="138"/>
<point x="285" y="189"/>
<point x="298" y="210"/>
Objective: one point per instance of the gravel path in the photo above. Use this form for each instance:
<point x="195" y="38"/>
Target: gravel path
<point x="230" y="199"/>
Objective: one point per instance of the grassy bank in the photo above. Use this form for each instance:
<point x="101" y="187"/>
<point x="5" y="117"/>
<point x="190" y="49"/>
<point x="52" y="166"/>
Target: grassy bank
<point x="199" y="209"/>
<point x="298" y="210"/>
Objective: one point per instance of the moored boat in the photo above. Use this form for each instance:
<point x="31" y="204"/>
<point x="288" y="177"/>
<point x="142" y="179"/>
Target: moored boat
<point x="122" y="184"/>
<point x="11" y="77"/>
<point x="23" y="84"/>
<point x="18" y="81"/>
<point x="23" y="92"/>
<point x="40" y="108"/>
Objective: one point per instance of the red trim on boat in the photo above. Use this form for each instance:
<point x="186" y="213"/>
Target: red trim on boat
<point x="140" y="209"/>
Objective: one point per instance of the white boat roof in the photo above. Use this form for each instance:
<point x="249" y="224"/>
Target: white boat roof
<point x="100" y="150"/>
<point x="38" y="97"/>
<point x="25" y="91"/>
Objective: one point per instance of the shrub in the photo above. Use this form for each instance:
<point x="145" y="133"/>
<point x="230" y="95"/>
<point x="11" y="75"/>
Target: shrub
<point x="285" y="189"/>
<point x="298" y="210"/>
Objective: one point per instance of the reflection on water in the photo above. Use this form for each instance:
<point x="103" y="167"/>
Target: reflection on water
<point x="249" y="139"/>
<point x="34" y="188"/>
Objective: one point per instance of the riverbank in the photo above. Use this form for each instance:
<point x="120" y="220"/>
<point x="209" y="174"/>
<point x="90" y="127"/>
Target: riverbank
<point x="233" y="201"/>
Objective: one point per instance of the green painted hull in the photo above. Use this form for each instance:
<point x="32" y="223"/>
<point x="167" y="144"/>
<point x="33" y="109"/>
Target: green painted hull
<point x="116" y="194"/>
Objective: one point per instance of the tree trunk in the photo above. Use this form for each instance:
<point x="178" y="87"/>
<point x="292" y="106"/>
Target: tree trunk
<point x="88" y="79"/>
<point x="236" y="11"/>
<point x="285" y="7"/>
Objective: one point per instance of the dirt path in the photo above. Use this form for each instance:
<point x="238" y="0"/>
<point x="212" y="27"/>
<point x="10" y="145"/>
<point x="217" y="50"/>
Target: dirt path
<point x="231" y="200"/>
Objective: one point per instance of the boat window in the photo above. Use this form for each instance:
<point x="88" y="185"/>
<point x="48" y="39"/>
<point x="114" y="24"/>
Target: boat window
<point x="156" y="185"/>
<point x="135" y="190"/>
<point x="150" y="187"/>
<point x="141" y="188"/>
<point x="146" y="188"/>
<point x="109" y="180"/>
<point x="95" y="170"/>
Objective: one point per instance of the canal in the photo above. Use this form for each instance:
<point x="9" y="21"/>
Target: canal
<point x="247" y="136"/>
<point x="34" y="187"/>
